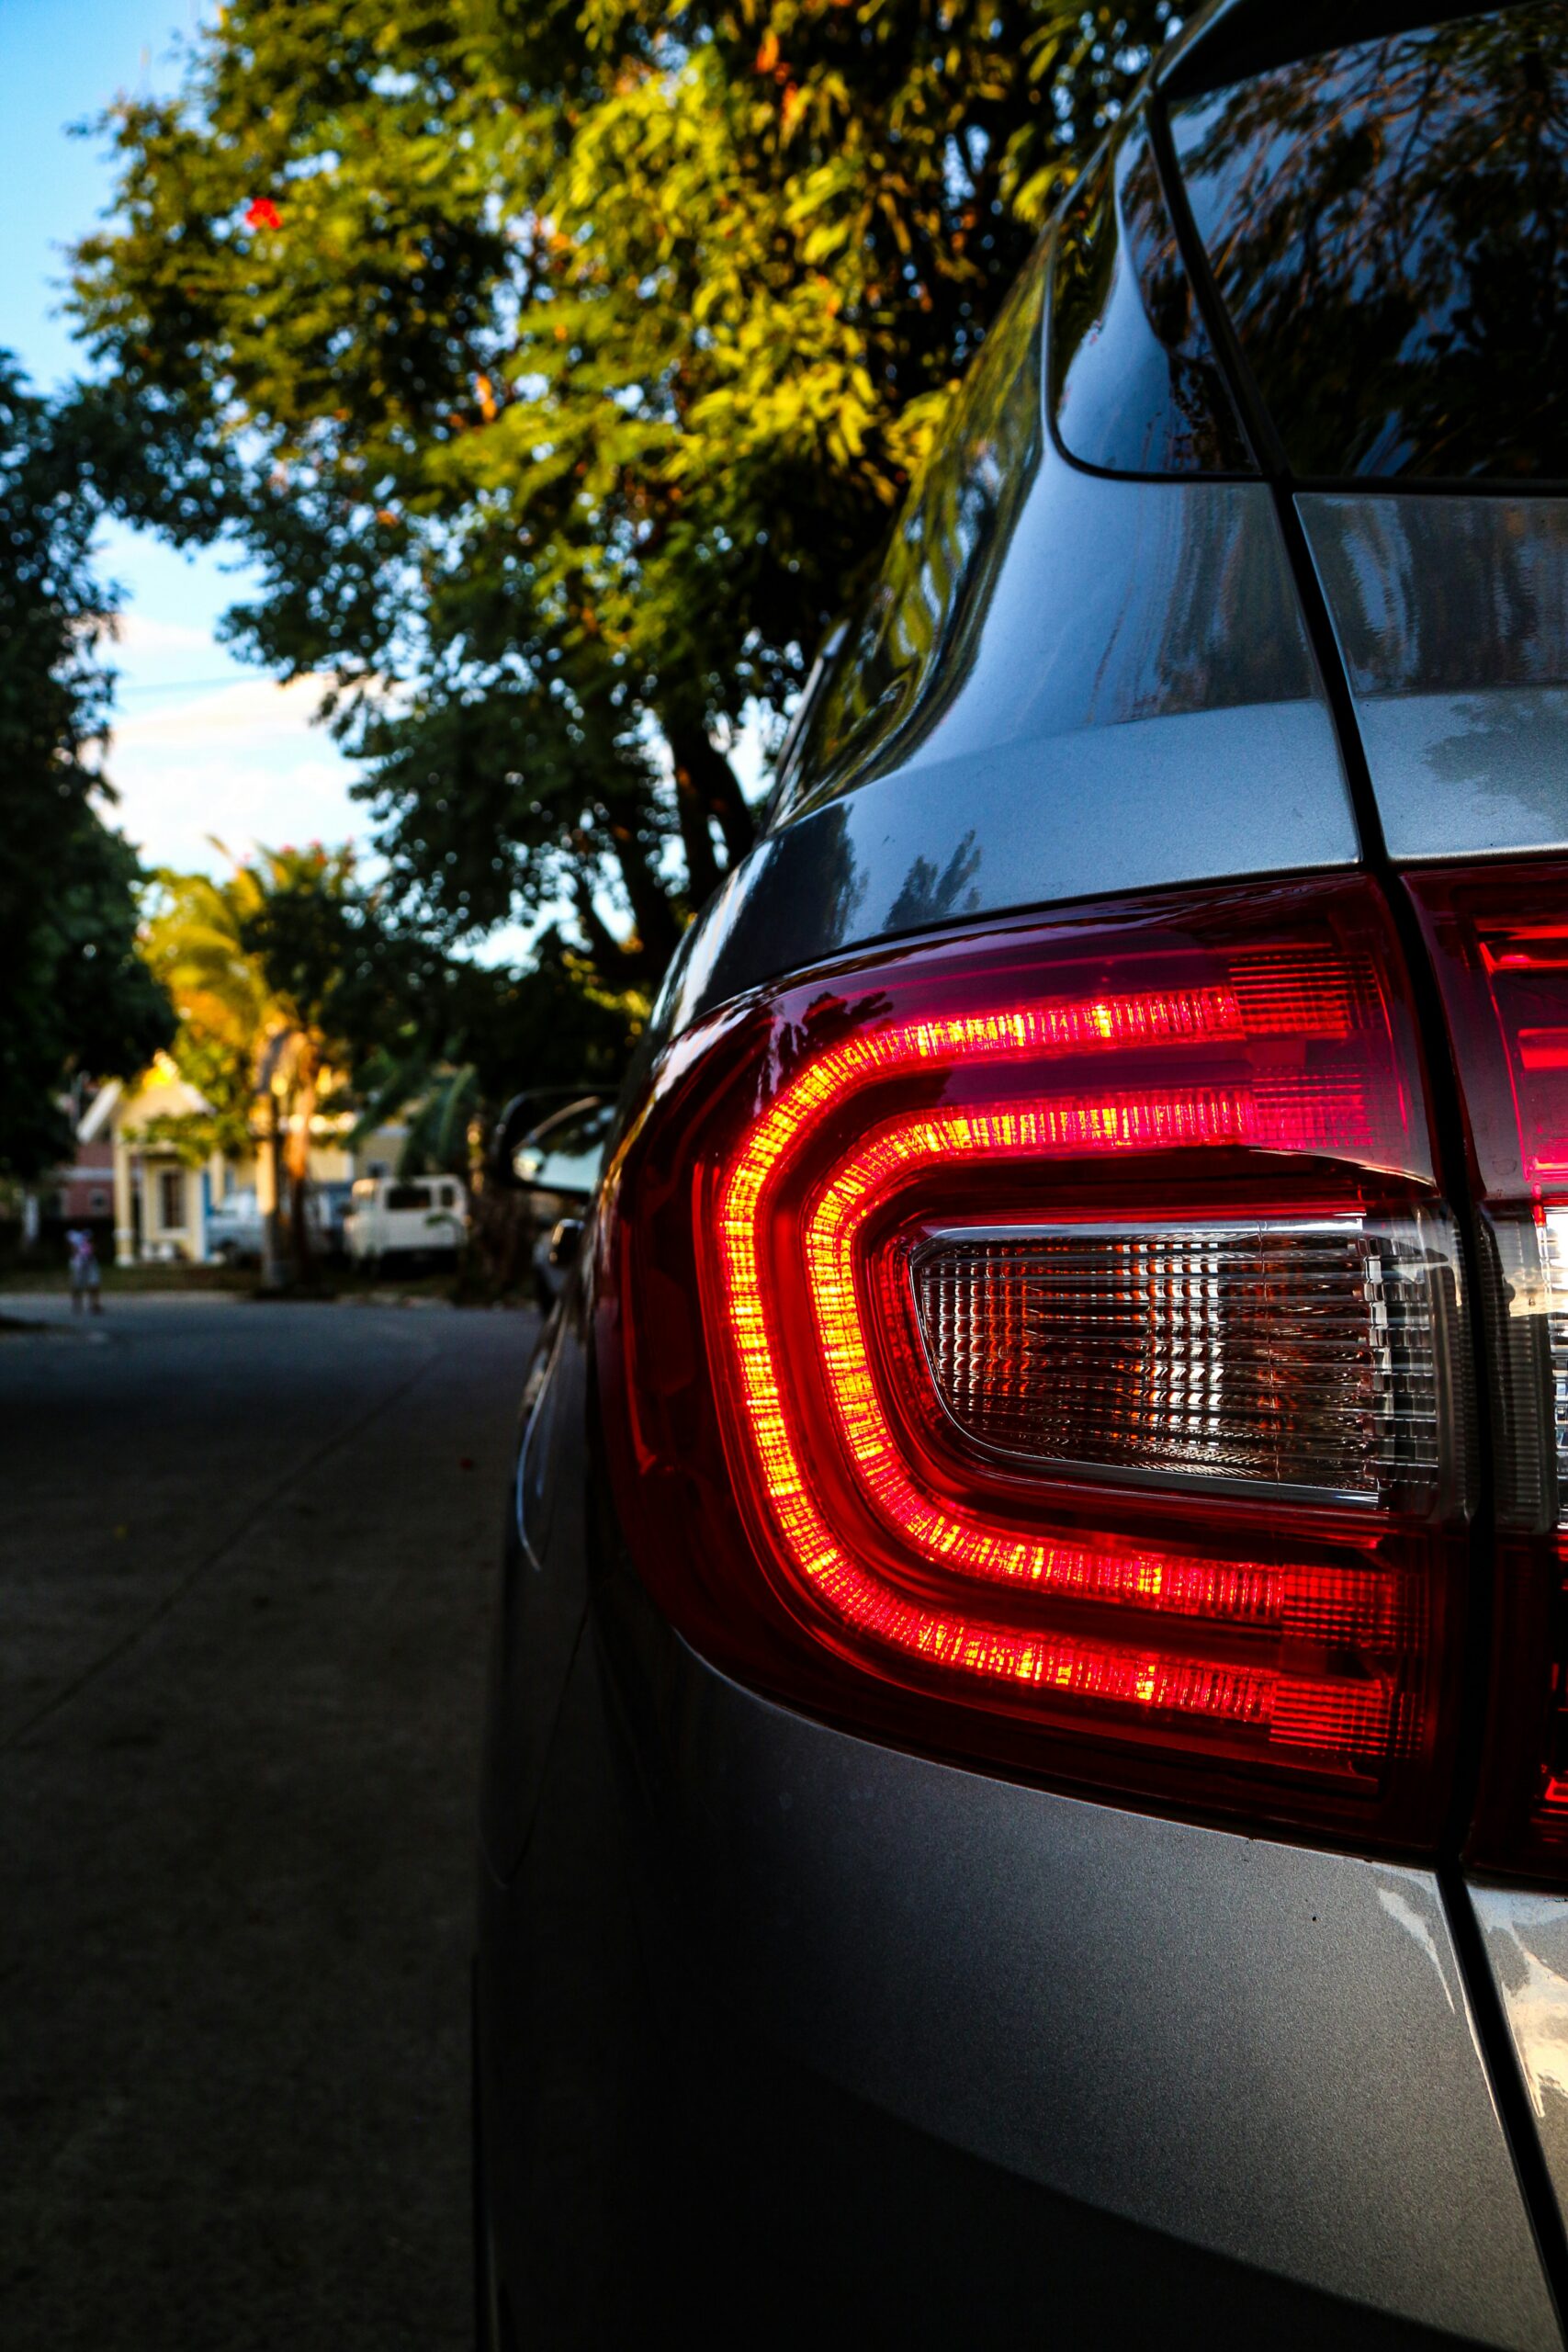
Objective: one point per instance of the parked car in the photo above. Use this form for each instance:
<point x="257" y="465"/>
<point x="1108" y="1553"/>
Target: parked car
<point x="1026" y="1781"/>
<point x="395" y="1216"/>
<point x="234" y="1229"/>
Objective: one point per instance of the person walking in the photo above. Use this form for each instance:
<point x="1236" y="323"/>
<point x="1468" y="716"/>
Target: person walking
<point x="85" y="1291"/>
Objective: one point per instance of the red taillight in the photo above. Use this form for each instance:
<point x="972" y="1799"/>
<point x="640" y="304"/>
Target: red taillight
<point x="1499" y="938"/>
<point x="1045" y="1347"/>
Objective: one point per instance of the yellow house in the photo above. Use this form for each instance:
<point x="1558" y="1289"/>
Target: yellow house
<point x="161" y="1203"/>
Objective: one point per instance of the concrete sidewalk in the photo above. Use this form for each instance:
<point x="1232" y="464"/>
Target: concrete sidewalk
<point x="245" y="1563"/>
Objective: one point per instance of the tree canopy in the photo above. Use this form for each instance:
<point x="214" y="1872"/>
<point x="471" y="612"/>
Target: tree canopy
<point x="284" y="980"/>
<point x="562" y="364"/>
<point x="77" y="998"/>
<point x="298" y="994"/>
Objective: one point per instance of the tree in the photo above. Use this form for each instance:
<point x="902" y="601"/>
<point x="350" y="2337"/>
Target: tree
<point x="551" y="1029"/>
<point x="77" y="998"/>
<point x="300" y="995"/>
<point x="487" y="1031"/>
<point x="286" y="978"/>
<point x="561" y="364"/>
<point x="193" y="944"/>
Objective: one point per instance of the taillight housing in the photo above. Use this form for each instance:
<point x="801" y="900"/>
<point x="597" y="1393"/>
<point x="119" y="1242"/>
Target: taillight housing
<point x="1500" y="940"/>
<point x="1045" y="1346"/>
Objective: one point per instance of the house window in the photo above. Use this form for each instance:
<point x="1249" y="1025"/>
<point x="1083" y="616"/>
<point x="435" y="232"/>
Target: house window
<point x="172" y="1199"/>
<point x="97" y="1201"/>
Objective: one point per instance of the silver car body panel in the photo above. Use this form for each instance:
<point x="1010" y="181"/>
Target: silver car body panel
<point x="1259" y="2048"/>
<point x="1148" y="719"/>
<point x="1526" y="1936"/>
<point x="1451" y="615"/>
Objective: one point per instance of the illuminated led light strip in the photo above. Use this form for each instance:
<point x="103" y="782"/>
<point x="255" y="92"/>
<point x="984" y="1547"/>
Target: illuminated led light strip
<point x="1312" y="1713"/>
<point x="1357" y="1604"/>
<point x="1308" y="1713"/>
<point x="1304" y="1711"/>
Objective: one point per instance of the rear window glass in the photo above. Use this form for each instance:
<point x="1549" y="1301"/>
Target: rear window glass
<point x="909" y="654"/>
<point x="1134" y="386"/>
<point x="1386" y="224"/>
<point x="407" y="1196"/>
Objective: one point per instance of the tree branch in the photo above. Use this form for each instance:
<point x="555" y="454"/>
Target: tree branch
<point x="658" y="929"/>
<point x="696" y="836"/>
<point x="713" y="781"/>
<point x="604" y="948"/>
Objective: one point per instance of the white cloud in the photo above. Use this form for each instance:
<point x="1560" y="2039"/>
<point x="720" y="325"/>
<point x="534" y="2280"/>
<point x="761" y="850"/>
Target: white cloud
<point x="138" y="633"/>
<point x="243" y="762"/>
<point x="256" y="708"/>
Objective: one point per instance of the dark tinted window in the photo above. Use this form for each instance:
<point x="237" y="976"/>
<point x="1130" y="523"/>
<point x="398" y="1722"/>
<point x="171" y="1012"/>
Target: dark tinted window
<point x="1134" y="388"/>
<point x="1387" y="226"/>
<point x="407" y="1196"/>
<point x="907" y="656"/>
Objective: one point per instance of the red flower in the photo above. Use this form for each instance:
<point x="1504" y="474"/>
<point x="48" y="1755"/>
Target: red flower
<point x="263" y="214"/>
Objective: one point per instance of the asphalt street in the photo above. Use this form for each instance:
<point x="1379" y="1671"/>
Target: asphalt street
<point x="246" y="1561"/>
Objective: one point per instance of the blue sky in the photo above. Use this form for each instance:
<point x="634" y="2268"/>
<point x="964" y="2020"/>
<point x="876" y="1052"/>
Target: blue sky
<point x="202" y="743"/>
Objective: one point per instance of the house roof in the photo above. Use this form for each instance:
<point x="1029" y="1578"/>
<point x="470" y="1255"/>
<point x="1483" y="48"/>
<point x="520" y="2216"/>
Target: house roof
<point x="164" y="1092"/>
<point x="96" y="1118"/>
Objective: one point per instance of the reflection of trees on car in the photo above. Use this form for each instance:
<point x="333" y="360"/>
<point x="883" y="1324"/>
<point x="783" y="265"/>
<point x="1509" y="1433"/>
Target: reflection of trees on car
<point x="948" y="543"/>
<point x="1389" y="228"/>
<point x="1430" y="594"/>
<point x="1134" y="384"/>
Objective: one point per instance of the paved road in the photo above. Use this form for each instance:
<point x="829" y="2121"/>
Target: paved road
<point x="245" y="1562"/>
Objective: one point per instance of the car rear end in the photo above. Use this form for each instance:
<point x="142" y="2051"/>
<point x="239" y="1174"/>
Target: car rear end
<point x="1026" y="1781"/>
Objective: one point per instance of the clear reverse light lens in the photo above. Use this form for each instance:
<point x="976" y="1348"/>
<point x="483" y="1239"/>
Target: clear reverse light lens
<point x="1554" y="1261"/>
<point x="1305" y="1355"/>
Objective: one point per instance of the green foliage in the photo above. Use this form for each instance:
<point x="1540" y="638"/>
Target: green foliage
<point x="552" y="1024"/>
<point x="293" y="980"/>
<point x="77" y="998"/>
<point x="193" y="944"/>
<point x="562" y="364"/>
<point x="336" y="973"/>
<point x="489" y="1031"/>
<point x="286" y="977"/>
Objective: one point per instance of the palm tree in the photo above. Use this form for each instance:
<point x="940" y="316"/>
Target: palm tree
<point x="254" y="964"/>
